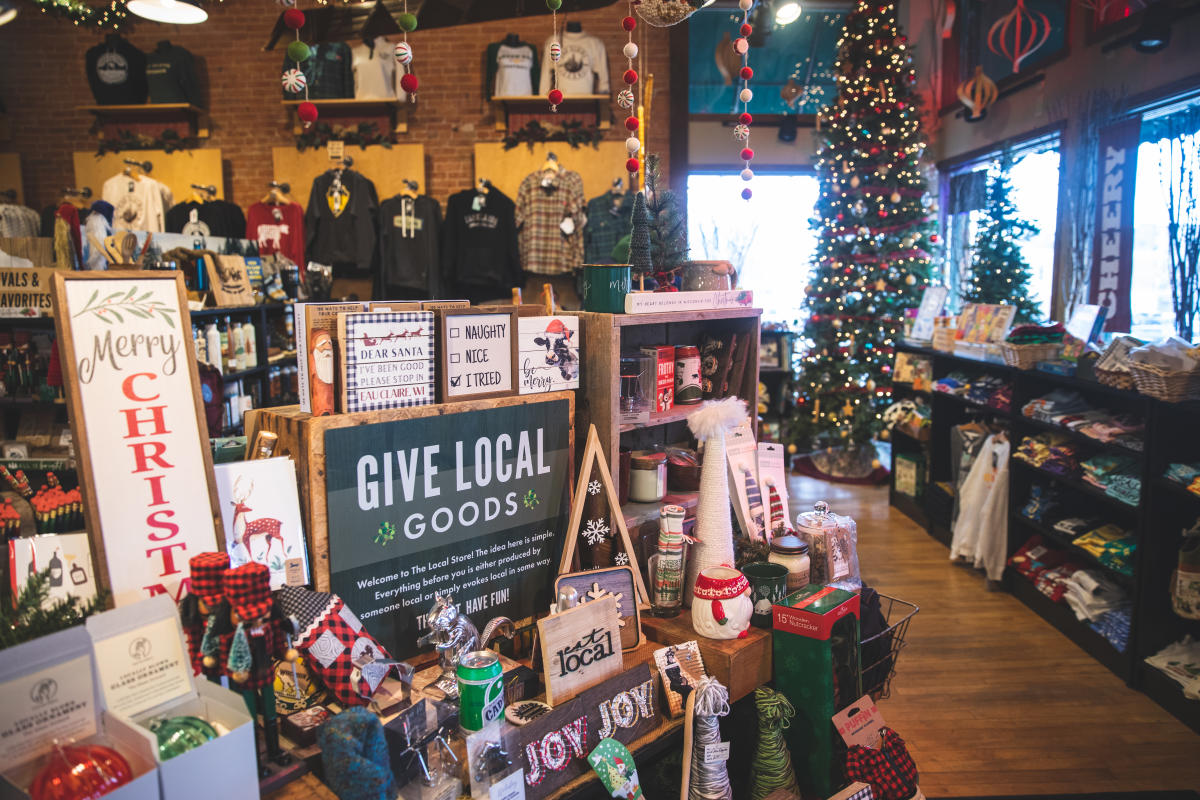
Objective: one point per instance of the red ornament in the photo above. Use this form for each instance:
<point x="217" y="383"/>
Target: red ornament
<point x="555" y="96"/>
<point x="900" y="106"/>
<point x="933" y="237"/>
<point x="629" y="23"/>
<point x="746" y="193"/>
<point x="840" y="216"/>
<point x="747" y="154"/>
<point x="307" y="112"/>
<point x="874" y="151"/>
<point x="632" y="165"/>
<point x="746" y="118"/>
<point x="746" y="73"/>
<point x="293" y="18"/>
<point x="883" y="212"/>
<point x="746" y="30"/>
<point x="630" y="76"/>
<point x="631" y="123"/>
<point x="80" y="772"/>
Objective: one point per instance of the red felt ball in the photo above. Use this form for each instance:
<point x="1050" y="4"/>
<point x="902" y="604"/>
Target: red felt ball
<point x="409" y="83"/>
<point x="746" y="118"/>
<point x="633" y="165"/>
<point x="746" y="73"/>
<point x="293" y="18"/>
<point x="630" y="76"/>
<point x="631" y="123"/>
<point x="555" y="96"/>
<point x="747" y="194"/>
<point x="747" y="154"/>
<point x="883" y="212"/>
<point x="307" y="112"/>
<point x="746" y="29"/>
<point x="629" y="23"/>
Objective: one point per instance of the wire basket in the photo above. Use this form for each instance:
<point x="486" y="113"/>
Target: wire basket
<point x="1164" y="384"/>
<point x="879" y="652"/>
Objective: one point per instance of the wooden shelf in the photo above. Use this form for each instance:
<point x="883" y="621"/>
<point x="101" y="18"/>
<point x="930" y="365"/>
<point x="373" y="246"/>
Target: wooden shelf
<point x="668" y="317"/>
<point x="538" y="103"/>
<point x="197" y="116"/>
<point x="1063" y="542"/>
<point x="676" y="414"/>
<point x="637" y="514"/>
<point x="396" y="110"/>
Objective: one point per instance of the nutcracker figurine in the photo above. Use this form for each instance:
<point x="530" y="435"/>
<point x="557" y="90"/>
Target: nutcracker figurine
<point x="259" y="639"/>
<point x="201" y="611"/>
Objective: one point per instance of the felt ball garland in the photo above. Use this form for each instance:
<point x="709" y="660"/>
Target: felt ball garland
<point x="404" y="54"/>
<point x="741" y="131"/>
<point x="294" y="80"/>
<point x="555" y="95"/>
<point x="633" y="144"/>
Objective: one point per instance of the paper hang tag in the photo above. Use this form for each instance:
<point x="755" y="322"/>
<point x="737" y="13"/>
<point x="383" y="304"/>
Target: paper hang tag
<point x="567" y="225"/>
<point x="336" y="149"/>
<point x="860" y="723"/>
<point x="510" y="787"/>
<point x="714" y="753"/>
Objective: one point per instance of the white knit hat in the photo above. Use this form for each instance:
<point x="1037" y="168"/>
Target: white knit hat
<point x="714" y="528"/>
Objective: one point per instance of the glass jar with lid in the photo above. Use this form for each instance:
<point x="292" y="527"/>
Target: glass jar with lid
<point x="792" y="552"/>
<point x="647" y="477"/>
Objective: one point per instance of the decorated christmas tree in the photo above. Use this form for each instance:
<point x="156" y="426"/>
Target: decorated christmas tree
<point x="999" y="271"/>
<point x="871" y="261"/>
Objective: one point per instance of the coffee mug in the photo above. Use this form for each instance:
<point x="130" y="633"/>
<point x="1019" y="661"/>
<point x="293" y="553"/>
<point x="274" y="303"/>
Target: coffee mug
<point x="768" y="586"/>
<point x="605" y="287"/>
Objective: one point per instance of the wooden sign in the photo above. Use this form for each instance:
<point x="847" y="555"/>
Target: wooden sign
<point x="313" y="317"/>
<point x="547" y="353"/>
<point x="387" y="359"/>
<point x="679" y="665"/>
<point x="138" y="424"/>
<point x="229" y="280"/>
<point x="622" y="707"/>
<point x="477" y="353"/>
<point x="580" y="647"/>
<point x="552" y="749"/>
<point x="25" y="291"/>
<point x="616" y="582"/>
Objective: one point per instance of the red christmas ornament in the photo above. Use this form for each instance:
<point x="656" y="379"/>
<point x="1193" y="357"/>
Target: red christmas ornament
<point x="747" y="154"/>
<point x="630" y="76"/>
<point x="80" y="772"/>
<point x="840" y="216"/>
<point x="629" y="23"/>
<point x="933" y="237"/>
<point x="746" y="73"/>
<point x="632" y="165"/>
<point x="874" y="151"/>
<point x="555" y="96"/>
<point x="900" y="106"/>
<point x="293" y="18"/>
<point x="746" y="29"/>
<point x="746" y="118"/>
<point x="746" y="193"/>
<point x="631" y="123"/>
<point x="883" y="212"/>
<point x="307" y="112"/>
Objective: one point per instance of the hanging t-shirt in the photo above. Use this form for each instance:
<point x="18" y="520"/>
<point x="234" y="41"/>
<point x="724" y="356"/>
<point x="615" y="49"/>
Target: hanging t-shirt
<point x="480" y="259"/>
<point x="544" y="202"/>
<point x="214" y="218"/>
<point x="512" y="69"/>
<point x="139" y="204"/>
<point x="376" y="73"/>
<point x="609" y="218"/>
<point x="116" y="72"/>
<point x="277" y="229"/>
<point x="409" y="231"/>
<point x="340" y="222"/>
<point x="171" y="75"/>
<point x="583" y="67"/>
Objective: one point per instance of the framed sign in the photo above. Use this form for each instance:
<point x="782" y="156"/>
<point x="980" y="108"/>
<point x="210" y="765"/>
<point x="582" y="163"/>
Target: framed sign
<point x="387" y="359"/>
<point x="547" y="353"/>
<point x="580" y="648"/>
<point x="138" y="425"/>
<point x="617" y="582"/>
<point x="230" y="281"/>
<point x="478" y="348"/>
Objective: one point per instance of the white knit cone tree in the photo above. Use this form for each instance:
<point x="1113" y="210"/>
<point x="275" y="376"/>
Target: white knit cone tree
<point x="714" y="527"/>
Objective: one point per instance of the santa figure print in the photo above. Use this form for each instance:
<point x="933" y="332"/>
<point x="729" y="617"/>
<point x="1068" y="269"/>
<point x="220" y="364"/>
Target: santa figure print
<point x="320" y="372"/>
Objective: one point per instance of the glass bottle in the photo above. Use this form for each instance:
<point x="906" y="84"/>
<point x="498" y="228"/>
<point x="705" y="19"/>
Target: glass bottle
<point x="223" y="329"/>
<point x="237" y="347"/>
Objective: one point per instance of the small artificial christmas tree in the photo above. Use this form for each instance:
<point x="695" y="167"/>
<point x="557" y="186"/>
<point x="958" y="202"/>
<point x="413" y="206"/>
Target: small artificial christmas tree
<point x="871" y="261"/>
<point x="999" y="271"/>
<point x="668" y="229"/>
<point x="639" y="240"/>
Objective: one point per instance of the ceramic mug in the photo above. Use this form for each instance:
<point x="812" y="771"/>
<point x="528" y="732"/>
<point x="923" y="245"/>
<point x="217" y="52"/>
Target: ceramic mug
<point x="605" y="287"/>
<point x="768" y="586"/>
<point x="721" y="605"/>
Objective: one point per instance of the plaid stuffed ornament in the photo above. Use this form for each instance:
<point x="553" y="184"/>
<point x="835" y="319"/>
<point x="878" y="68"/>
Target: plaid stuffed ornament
<point x="890" y="769"/>
<point x="337" y="648"/>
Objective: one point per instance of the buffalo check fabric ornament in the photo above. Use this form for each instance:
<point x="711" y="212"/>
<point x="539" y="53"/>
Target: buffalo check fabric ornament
<point x="890" y="769"/>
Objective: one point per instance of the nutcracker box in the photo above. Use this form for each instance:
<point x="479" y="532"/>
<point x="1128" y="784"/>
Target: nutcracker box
<point x="816" y="659"/>
<point x="48" y="693"/>
<point x="144" y="674"/>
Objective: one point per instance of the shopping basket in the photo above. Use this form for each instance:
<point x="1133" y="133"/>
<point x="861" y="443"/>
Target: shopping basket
<point x="879" y="652"/>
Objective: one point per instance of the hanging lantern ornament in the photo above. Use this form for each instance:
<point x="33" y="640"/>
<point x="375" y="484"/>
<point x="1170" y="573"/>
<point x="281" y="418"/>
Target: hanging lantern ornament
<point x="555" y="95"/>
<point x="404" y="54"/>
<point x="977" y="93"/>
<point x="633" y="144"/>
<point x="741" y="132"/>
<point x="1018" y="34"/>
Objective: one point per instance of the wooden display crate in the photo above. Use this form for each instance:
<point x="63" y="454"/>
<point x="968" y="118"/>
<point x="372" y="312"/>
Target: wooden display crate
<point x="741" y="665"/>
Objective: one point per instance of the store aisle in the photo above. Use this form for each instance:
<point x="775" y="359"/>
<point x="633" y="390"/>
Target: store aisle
<point x="991" y="699"/>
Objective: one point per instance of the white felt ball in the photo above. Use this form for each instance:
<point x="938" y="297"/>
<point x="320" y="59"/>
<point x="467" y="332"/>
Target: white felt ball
<point x="625" y="99"/>
<point x="403" y="53"/>
<point x="630" y="50"/>
<point x="745" y="5"/>
<point x="294" y="81"/>
<point x="741" y="45"/>
<point x="747" y="174"/>
<point x="745" y="95"/>
<point x="633" y="144"/>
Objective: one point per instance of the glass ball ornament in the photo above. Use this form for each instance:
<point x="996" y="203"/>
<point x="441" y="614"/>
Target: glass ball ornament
<point x="630" y="50"/>
<point x="854" y="181"/>
<point x="633" y="144"/>
<point x="407" y="22"/>
<point x="298" y="51"/>
<point x="747" y="174"/>
<point x="625" y="99"/>
<point x="745" y="95"/>
<point x="177" y="735"/>
<point x="741" y="132"/>
<point x="555" y="52"/>
<point x="80" y="772"/>
<point x="859" y="208"/>
<point x="895" y="198"/>
<point x="403" y="53"/>
<point x="294" y="81"/>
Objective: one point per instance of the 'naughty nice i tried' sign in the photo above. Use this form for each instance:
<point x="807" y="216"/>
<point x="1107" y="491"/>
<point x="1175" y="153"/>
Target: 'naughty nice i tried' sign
<point x="143" y="455"/>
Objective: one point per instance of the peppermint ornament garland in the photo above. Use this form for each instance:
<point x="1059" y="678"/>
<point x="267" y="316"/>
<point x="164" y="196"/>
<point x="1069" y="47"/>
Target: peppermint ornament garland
<point x="294" y="80"/>
<point x="404" y="54"/>
<point x="741" y="132"/>
<point x="555" y="95"/>
<point x="633" y="144"/>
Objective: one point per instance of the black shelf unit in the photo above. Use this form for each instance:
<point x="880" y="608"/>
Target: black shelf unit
<point x="1165" y="509"/>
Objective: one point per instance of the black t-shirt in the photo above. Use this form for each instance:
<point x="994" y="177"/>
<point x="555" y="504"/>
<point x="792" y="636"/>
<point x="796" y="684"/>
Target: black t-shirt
<point x="116" y="71"/>
<point x="214" y="218"/>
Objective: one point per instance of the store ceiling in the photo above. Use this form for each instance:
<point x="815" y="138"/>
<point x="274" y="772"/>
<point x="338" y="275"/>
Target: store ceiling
<point x="350" y="21"/>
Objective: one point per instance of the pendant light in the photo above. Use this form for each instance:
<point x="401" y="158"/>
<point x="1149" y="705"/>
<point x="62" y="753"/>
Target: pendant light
<point x="176" y="12"/>
<point x="8" y="11"/>
<point x="787" y="12"/>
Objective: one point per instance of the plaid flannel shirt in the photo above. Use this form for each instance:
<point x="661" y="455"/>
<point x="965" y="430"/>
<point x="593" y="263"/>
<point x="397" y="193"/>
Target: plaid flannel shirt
<point x="545" y="249"/>
<point x="890" y="769"/>
<point x="607" y="222"/>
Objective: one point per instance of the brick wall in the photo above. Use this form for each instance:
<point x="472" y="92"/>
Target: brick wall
<point x="42" y="80"/>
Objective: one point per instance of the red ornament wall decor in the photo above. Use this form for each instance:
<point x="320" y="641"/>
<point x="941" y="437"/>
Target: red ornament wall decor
<point x="1018" y="34"/>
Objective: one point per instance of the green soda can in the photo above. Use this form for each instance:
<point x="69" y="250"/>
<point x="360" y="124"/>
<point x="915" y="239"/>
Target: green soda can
<point x="480" y="690"/>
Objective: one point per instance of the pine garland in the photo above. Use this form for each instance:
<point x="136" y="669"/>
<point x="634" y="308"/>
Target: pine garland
<point x="32" y="617"/>
<point x="108" y="17"/>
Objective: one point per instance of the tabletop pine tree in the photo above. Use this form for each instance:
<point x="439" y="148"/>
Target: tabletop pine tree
<point x="871" y="261"/>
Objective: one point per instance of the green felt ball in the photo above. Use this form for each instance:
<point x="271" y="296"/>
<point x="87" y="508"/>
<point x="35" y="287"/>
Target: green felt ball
<point x="554" y="5"/>
<point x="408" y="22"/>
<point x="298" y="51"/>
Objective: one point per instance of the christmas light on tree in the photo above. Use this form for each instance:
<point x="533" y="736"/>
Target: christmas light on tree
<point x="871" y="261"/>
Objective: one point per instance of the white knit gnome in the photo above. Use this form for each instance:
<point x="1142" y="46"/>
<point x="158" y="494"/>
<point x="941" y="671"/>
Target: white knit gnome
<point x="714" y="528"/>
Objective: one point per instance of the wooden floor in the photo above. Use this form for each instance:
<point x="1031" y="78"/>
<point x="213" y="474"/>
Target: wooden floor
<point x="991" y="699"/>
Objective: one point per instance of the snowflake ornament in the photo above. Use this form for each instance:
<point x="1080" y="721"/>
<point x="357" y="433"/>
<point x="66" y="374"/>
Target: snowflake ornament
<point x="594" y="487"/>
<point x="596" y="531"/>
<point x="621" y="559"/>
<point x="595" y="593"/>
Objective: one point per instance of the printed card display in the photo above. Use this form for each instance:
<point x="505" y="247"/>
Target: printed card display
<point x="260" y="511"/>
<point x="137" y="420"/>
<point x="580" y="648"/>
<point x="664" y="376"/>
<point x="679" y="665"/>
<point x="310" y="317"/>
<point x="547" y="354"/>
<point x="387" y="359"/>
<point x="860" y="723"/>
<point x="772" y="472"/>
<point x="477" y="353"/>
<point x="142" y="667"/>
<point x="48" y="705"/>
<point x="932" y="303"/>
<point x="746" y="492"/>
<point x="66" y="555"/>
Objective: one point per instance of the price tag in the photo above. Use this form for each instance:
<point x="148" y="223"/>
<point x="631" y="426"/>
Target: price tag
<point x="716" y="752"/>
<point x="336" y="149"/>
<point x="294" y="572"/>
<point x="510" y="787"/>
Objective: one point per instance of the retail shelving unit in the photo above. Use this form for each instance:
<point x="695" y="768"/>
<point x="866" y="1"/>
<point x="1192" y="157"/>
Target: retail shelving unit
<point x="1163" y="511"/>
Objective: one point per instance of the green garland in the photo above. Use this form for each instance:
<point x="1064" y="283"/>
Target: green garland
<point x="110" y="17"/>
<point x="168" y="140"/>
<point x="574" y="133"/>
<point x="362" y="134"/>
<point x="33" y="616"/>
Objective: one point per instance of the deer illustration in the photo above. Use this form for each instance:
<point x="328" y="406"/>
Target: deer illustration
<point x="245" y="529"/>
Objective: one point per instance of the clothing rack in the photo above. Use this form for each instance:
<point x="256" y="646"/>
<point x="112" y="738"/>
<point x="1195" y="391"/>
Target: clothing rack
<point x="9" y="195"/>
<point x="210" y="190"/>
<point x="144" y="166"/>
<point x="84" y="192"/>
<point x="284" y="187"/>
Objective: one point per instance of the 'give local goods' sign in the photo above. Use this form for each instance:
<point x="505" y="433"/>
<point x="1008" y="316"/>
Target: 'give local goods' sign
<point x="469" y="504"/>
<point x="129" y="368"/>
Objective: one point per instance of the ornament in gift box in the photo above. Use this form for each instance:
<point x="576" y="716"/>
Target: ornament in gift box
<point x="177" y="735"/>
<point x="80" y="772"/>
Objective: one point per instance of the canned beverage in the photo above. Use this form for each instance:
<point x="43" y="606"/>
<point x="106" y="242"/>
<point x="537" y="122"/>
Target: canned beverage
<point x="687" y="376"/>
<point x="480" y="690"/>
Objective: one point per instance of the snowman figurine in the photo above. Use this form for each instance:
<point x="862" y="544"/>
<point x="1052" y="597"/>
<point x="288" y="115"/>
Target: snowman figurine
<point x="721" y="607"/>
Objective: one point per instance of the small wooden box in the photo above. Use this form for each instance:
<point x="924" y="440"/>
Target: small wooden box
<point x="741" y="665"/>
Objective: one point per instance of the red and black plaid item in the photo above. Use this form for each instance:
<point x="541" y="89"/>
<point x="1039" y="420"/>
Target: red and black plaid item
<point x="248" y="591"/>
<point x="207" y="576"/>
<point x="336" y="645"/>
<point x="890" y="769"/>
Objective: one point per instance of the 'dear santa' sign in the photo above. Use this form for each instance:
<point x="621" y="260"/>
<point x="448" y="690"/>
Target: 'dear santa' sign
<point x="136" y="419"/>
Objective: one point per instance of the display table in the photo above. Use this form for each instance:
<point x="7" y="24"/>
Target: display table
<point x="741" y="665"/>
